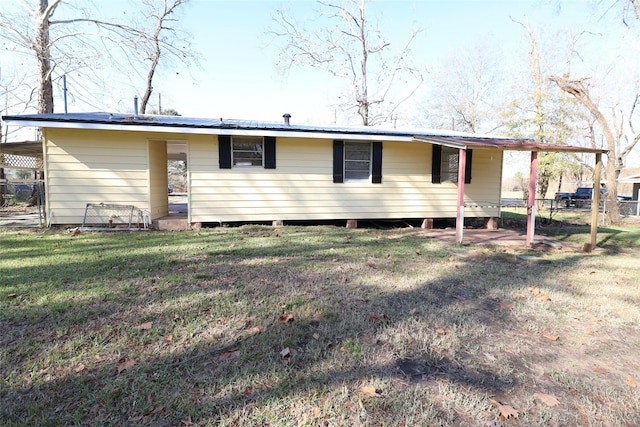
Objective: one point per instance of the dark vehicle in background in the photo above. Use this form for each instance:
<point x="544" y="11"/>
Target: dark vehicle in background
<point x="578" y="199"/>
<point x="581" y="197"/>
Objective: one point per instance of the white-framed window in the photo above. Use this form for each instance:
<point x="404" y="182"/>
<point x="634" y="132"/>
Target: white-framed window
<point x="357" y="160"/>
<point x="247" y="151"/>
<point x="449" y="165"/>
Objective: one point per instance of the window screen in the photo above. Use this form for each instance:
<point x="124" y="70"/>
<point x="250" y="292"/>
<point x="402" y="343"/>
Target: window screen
<point x="449" y="164"/>
<point x="247" y="151"/>
<point x="357" y="160"/>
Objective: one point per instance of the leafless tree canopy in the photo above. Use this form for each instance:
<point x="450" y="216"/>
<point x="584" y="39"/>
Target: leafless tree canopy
<point x="74" y="41"/>
<point x="347" y="45"/>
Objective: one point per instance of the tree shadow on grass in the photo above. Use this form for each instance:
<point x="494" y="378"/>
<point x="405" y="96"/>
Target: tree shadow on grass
<point x="353" y="326"/>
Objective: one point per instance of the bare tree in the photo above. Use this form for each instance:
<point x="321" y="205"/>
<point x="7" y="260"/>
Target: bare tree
<point x="612" y="132"/>
<point x="77" y="42"/>
<point x="161" y="40"/>
<point x="350" y="47"/>
<point x="551" y="118"/>
<point x="464" y="91"/>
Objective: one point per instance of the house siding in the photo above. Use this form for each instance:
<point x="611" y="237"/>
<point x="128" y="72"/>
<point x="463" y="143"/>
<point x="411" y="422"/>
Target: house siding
<point x="158" y="179"/>
<point x="85" y="166"/>
<point x="302" y="187"/>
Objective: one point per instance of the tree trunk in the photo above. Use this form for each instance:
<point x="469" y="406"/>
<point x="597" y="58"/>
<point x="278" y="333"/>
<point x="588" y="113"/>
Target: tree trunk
<point x="43" y="57"/>
<point x="612" y="169"/>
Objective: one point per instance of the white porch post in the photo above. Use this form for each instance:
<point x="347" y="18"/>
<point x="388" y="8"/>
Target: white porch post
<point x="531" y="208"/>
<point x="462" y="165"/>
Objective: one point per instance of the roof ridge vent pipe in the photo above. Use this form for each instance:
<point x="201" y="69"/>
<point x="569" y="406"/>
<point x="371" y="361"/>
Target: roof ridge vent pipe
<point x="286" y="116"/>
<point x="135" y="106"/>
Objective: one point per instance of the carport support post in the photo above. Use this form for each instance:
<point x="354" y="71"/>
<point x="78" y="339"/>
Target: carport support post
<point x="462" y="165"/>
<point x="531" y="203"/>
<point x="595" y="206"/>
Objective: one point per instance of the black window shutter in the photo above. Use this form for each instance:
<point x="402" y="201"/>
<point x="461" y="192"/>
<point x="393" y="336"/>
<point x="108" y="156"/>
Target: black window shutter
<point x="467" y="169"/>
<point x="224" y="151"/>
<point x="269" y="152"/>
<point x="436" y="159"/>
<point x="376" y="160"/>
<point x="338" y="161"/>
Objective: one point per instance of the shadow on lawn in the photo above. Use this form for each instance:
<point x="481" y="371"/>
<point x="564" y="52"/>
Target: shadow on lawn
<point x="335" y="340"/>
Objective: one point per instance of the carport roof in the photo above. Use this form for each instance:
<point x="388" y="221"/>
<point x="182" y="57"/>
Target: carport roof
<point x="179" y="124"/>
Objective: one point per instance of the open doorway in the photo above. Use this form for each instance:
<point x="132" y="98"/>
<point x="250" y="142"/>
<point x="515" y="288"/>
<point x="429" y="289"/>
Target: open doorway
<point x="177" y="187"/>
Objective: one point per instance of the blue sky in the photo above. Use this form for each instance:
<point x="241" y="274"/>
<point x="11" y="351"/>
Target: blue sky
<point x="238" y="78"/>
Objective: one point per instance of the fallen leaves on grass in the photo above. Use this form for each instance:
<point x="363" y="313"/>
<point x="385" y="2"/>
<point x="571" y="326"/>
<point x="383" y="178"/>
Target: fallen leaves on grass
<point x="286" y="318"/>
<point x="372" y="264"/>
<point x="125" y="364"/>
<point x="379" y="318"/>
<point x="599" y="370"/>
<point x="286" y="354"/>
<point x="145" y="326"/>
<point x="12" y="296"/>
<point x="631" y="382"/>
<point x="547" y="399"/>
<point x="506" y="411"/>
<point x="78" y="368"/>
<point x="443" y="331"/>
<point x="229" y="354"/>
<point x="538" y="295"/>
<point x="371" y="391"/>
<point x="550" y="337"/>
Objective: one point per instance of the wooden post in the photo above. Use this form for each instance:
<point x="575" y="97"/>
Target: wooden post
<point x="531" y="204"/>
<point x="427" y="223"/>
<point x="595" y="205"/>
<point x="462" y="165"/>
<point x="352" y="223"/>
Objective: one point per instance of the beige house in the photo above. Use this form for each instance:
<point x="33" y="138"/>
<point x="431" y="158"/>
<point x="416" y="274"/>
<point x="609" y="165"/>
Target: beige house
<point x="254" y="171"/>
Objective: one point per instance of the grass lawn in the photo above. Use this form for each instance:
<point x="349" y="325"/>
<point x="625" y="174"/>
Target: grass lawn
<point x="316" y="326"/>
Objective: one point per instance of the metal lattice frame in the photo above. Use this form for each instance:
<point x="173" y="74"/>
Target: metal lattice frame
<point x="110" y="217"/>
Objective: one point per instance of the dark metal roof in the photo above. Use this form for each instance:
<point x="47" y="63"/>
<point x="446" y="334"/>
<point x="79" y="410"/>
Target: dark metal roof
<point x="444" y="137"/>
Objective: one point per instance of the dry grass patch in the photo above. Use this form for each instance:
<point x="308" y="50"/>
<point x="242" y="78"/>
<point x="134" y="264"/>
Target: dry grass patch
<point x="313" y="326"/>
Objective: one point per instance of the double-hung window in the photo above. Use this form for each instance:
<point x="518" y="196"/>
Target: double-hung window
<point x="445" y="165"/>
<point x="247" y="151"/>
<point x="449" y="165"/>
<point x="357" y="161"/>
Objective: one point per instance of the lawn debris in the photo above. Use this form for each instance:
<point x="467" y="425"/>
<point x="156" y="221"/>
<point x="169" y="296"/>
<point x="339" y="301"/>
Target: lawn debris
<point x="230" y="354"/>
<point x="145" y="326"/>
<point x="124" y="364"/>
<point x="371" y="391"/>
<point x="378" y="318"/>
<point x="286" y="318"/>
<point x="506" y="411"/>
<point x="547" y="399"/>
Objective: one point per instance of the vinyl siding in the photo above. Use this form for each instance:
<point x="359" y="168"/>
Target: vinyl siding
<point x="85" y="166"/>
<point x="302" y="188"/>
<point x="158" y="179"/>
